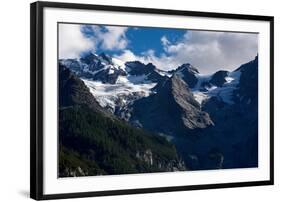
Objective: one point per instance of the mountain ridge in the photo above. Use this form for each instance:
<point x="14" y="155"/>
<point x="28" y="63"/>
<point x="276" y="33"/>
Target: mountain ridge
<point x="200" y="114"/>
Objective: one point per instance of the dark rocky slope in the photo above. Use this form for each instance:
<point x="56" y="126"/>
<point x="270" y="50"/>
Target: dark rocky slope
<point x="94" y="142"/>
<point x="233" y="140"/>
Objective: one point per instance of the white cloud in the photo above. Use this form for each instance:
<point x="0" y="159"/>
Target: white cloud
<point x="163" y="62"/>
<point x="208" y="51"/>
<point x="165" y="42"/>
<point x="110" y="37"/>
<point x="128" y="55"/>
<point x="115" y="38"/>
<point x="72" y="42"/>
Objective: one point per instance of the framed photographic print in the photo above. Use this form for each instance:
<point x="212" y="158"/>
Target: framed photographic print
<point x="134" y="100"/>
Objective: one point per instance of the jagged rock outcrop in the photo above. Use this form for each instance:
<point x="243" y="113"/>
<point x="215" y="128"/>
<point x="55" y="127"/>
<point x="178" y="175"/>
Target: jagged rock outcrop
<point x="172" y="110"/>
<point x="218" y="79"/>
<point x="137" y="68"/>
<point x="96" y="67"/>
<point x="192" y="116"/>
<point x="188" y="74"/>
<point x="73" y="91"/>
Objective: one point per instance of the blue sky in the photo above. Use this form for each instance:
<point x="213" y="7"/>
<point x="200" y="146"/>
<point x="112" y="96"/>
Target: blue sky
<point x="143" y="39"/>
<point x="164" y="47"/>
<point x="140" y="39"/>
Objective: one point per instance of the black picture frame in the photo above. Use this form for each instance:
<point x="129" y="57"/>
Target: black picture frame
<point x="36" y="98"/>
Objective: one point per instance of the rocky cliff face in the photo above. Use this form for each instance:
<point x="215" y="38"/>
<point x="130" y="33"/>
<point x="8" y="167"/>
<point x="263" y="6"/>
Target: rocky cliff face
<point x="192" y="116"/>
<point x="148" y="157"/>
<point x="218" y="79"/>
<point x="172" y="110"/>
<point x="188" y="74"/>
<point x="72" y="90"/>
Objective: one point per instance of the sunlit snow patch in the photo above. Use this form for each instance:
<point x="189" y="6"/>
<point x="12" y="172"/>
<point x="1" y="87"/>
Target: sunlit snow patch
<point x="223" y="93"/>
<point x="125" y="90"/>
<point x="200" y="96"/>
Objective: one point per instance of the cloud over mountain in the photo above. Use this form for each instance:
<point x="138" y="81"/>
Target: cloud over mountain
<point x="72" y="41"/>
<point x="207" y="50"/>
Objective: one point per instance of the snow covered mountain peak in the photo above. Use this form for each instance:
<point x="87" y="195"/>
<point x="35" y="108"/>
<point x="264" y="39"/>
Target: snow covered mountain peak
<point x="105" y="57"/>
<point x="97" y="67"/>
<point x="187" y="73"/>
<point x="117" y="84"/>
<point x="187" y="67"/>
<point x="114" y="83"/>
<point x="221" y="86"/>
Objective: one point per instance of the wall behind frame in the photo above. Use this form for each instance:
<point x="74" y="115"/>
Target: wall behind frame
<point x="14" y="101"/>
